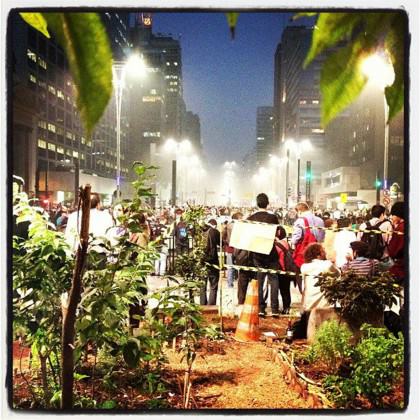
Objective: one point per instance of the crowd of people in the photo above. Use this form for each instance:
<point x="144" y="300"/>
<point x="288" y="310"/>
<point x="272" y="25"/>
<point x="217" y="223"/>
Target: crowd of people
<point x="308" y="242"/>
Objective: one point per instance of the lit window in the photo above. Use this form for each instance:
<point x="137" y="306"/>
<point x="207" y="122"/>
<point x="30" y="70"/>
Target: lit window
<point x="354" y="134"/>
<point x="89" y="144"/>
<point x="42" y="124"/>
<point x="42" y="63"/>
<point x="60" y="150"/>
<point x="168" y="63"/>
<point x="75" y="154"/>
<point x="42" y="84"/>
<point x="175" y="63"/>
<point x="173" y="83"/>
<point x="315" y="101"/>
<point x="68" y="135"/>
<point x="42" y="144"/>
<point x="32" y="78"/>
<point x="153" y="91"/>
<point x="51" y="89"/>
<point x="367" y="127"/>
<point x="51" y="146"/>
<point x="82" y="156"/>
<point x="302" y="102"/>
<point x="51" y="127"/>
<point x="83" y="140"/>
<point x="31" y="55"/>
<point x="318" y="130"/>
<point x="68" y="152"/>
<point x="60" y="94"/>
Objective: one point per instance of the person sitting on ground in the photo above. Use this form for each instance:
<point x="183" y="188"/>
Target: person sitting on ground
<point x="312" y="297"/>
<point x="359" y="261"/>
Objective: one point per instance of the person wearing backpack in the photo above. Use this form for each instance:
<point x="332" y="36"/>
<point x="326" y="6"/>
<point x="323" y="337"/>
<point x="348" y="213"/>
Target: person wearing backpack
<point x="377" y="242"/>
<point x="305" y="232"/>
<point x="286" y="264"/>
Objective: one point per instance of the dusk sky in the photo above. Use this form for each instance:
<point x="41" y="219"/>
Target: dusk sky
<point x="225" y="81"/>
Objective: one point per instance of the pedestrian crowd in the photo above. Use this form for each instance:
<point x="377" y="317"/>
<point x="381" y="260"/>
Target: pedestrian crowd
<point x="307" y="243"/>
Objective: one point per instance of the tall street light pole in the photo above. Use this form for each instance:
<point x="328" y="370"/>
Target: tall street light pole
<point x="379" y="70"/>
<point x="134" y="64"/>
<point x="287" y="178"/>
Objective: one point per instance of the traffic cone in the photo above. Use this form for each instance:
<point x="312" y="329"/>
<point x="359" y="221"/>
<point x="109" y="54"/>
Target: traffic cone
<point x="247" y="328"/>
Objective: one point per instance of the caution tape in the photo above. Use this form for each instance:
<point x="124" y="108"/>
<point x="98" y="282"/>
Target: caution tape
<point x="254" y="269"/>
<point x="389" y="232"/>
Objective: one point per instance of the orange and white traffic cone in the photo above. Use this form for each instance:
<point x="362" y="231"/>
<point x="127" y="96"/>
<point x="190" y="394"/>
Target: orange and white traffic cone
<point x="247" y="328"/>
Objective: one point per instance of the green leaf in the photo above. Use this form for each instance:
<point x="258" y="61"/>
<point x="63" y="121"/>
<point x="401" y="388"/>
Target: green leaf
<point x="37" y="21"/>
<point x="109" y="405"/>
<point x="394" y="44"/>
<point x="331" y="28"/>
<point x="131" y="353"/>
<point x="341" y="80"/>
<point x="83" y="37"/>
<point x="304" y="14"/>
<point x="232" y="19"/>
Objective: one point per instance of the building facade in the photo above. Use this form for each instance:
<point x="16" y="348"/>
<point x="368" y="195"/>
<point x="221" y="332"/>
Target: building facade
<point x="264" y="134"/>
<point x="63" y="156"/>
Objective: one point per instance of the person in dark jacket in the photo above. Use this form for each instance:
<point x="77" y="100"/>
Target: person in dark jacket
<point x="266" y="261"/>
<point x="213" y="242"/>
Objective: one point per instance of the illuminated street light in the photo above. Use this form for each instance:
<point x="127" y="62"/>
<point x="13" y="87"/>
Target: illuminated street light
<point x="378" y="69"/>
<point x="134" y="65"/>
<point x="229" y="175"/>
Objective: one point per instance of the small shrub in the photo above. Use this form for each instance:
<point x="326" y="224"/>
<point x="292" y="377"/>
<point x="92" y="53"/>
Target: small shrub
<point x="378" y="362"/>
<point x="331" y="344"/>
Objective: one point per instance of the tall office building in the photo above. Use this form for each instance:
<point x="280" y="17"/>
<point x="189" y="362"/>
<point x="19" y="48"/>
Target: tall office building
<point x="59" y="156"/>
<point x="296" y="90"/>
<point x="191" y="130"/>
<point x="158" y="111"/>
<point x="264" y="131"/>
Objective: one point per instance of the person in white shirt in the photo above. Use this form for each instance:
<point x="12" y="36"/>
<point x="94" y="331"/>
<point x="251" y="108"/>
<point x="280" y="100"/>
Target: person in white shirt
<point x="99" y="224"/>
<point x="342" y="241"/>
<point x="315" y="264"/>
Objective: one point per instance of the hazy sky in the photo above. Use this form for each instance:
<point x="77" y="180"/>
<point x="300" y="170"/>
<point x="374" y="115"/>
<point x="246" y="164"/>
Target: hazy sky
<point x="225" y="81"/>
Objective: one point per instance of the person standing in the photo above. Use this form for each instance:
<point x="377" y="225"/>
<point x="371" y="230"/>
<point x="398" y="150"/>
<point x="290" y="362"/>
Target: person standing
<point x="212" y="242"/>
<point x="343" y="238"/>
<point x="99" y="225"/>
<point x="377" y="242"/>
<point x="180" y="233"/>
<point x="266" y="261"/>
<point x="227" y="232"/>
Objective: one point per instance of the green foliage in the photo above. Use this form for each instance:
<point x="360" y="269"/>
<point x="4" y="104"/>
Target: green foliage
<point x="378" y="363"/>
<point x="85" y="42"/>
<point x="214" y="332"/>
<point x="232" y="19"/>
<point x="359" y="296"/>
<point x="41" y="274"/>
<point x="354" y="36"/>
<point x="376" y="366"/>
<point x="332" y="344"/>
<point x="37" y="21"/>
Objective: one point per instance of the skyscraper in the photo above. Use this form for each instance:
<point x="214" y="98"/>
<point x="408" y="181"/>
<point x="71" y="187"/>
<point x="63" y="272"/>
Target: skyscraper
<point x="264" y="133"/>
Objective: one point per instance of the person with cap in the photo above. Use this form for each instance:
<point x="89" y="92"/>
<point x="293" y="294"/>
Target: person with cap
<point x="359" y="261"/>
<point x="396" y="244"/>
<point x="212" y="242"/>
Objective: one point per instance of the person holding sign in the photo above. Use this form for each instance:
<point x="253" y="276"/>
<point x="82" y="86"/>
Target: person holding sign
<point x="271" y="260"/>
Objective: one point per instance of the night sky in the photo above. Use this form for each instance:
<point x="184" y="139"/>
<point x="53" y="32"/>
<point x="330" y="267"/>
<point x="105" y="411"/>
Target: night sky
<point x="225" y="81"/>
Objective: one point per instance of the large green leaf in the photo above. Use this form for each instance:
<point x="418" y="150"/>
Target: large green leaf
<point x="331" y="28"/>
<point x="394" y="44"/>
<point x="37" y="21"/>
<point x="232" y="18"/>
<point x="84" y="39"/>
<point x="341" y="80"/>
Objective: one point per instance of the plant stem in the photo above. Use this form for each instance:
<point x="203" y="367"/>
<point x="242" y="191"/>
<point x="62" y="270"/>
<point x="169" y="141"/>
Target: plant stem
<point x="44" y="378"/>
<point x="24" y="378"/>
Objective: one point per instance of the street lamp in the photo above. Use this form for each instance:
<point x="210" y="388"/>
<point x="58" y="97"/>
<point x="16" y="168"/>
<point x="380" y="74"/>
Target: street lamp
<point x="176" y="148"/>
<point x="298" y="148"/>
<point x="229" y="175"/>
<point x="134" y="65"/>
<point x="378" y="69"/>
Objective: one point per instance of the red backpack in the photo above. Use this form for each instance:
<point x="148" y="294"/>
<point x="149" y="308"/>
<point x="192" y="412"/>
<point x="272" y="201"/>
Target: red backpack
<point x="307" y="238"/>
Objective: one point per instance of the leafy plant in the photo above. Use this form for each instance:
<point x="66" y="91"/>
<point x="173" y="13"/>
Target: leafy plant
<point x="347" y="39"/>
<point x="376" y="366"/>
<point x="359" y="296"/>
<point x="41" y="271"/>
<point x="378" y="362"/>
<point x="332" y="344"/>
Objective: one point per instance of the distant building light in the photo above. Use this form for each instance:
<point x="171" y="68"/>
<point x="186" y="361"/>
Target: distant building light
<point x="315" y="101"/>
<point x="318" y="130"/>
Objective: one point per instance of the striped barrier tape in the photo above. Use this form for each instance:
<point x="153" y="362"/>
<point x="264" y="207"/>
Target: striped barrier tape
<point x="254" y="269"/>
<point x="334" y="229"/>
